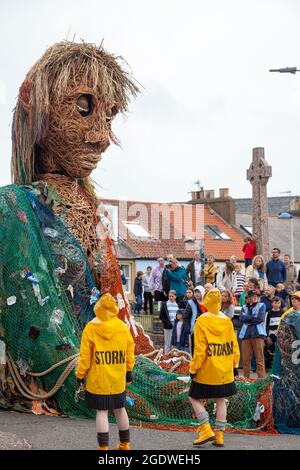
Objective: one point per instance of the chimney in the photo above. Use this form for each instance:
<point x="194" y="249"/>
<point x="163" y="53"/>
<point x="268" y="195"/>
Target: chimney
<point x="224" y="193"/>
<point x="210" y="194"/>
<point x="224" y="205"/>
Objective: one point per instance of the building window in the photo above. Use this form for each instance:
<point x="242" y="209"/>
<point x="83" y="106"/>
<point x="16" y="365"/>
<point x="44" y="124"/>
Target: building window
<point x="216" y="233"/>
<point x="127" y="271"/>
<point x="247" y="229"/>
<point x="137" y="230"/>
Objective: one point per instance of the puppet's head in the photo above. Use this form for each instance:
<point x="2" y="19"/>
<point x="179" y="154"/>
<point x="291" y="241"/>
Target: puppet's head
<point x="62" y="121"/>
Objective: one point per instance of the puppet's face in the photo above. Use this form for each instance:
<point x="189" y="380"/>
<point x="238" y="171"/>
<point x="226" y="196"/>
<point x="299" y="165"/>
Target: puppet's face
<point x="79" y="131"/>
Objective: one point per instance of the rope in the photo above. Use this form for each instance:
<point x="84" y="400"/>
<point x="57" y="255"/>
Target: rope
<point x="41" y="374"/>
<point x="26" y="392"/>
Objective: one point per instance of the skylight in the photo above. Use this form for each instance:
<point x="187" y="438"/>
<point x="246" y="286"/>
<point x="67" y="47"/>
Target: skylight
<point x="137" y="229"/>
<point x="247" y="228"/>
<point x="216" y="233"/>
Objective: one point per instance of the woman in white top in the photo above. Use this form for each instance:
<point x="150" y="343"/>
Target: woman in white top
<point x="257" y="271"/>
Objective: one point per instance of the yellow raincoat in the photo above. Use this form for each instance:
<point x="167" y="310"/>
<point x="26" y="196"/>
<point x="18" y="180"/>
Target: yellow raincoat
<point x="216" y="350"/>
<point x="106" y="350"/>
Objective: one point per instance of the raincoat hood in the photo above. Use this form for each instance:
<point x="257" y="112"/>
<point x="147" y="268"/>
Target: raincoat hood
<point x="213" y="301"/>
<point x="106" y="308"/>
<point x="200" y="289"/>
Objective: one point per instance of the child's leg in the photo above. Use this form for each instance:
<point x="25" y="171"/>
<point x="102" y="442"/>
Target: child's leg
<point x="221" y="411"/>
<point x="123" y="425"/>
<point x="205" y="432"/>
<point x="102" y="427"/>
<point x="199" y="410"/>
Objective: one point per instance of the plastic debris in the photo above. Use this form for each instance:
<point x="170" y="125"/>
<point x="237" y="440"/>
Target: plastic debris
<point x="153" y="417"/>
<point x="43" y="263"/>
<point x="121" y="303"/>
<point x="71" y="290"/>
<point x="186" y="379"/>
<point x="50" y="232"/>
<point x="42" y="302"/>
<point x="63" y="347"/>
<point x="130" y="401"/>
<point x="57" y="316"/>
<point x="11" y="300"/>
<point x="22" y="216"/>
<point x="258" y="411"/>
<point x="2" y="353"/>
<point x="95" y="294"/>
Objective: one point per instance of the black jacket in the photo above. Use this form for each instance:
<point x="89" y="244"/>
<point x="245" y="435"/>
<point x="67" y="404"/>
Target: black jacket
<point x="164" y="316"/>
<point x="190" y="272"/>
<point x="138" y="287"/>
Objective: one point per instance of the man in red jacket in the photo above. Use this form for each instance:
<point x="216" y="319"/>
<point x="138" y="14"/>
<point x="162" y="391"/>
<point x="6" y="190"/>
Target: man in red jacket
<point x="249" y="251"/>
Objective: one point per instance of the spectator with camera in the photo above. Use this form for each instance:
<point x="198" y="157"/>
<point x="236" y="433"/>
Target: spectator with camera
<point x="175" y="275"/>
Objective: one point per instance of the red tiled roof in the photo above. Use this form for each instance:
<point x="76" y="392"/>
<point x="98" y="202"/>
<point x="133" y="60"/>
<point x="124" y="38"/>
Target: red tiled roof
<point x="150" y="217"/>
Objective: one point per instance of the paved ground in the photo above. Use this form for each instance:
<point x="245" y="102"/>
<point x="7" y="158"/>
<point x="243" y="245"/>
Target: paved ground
<point x="27" y="431"/>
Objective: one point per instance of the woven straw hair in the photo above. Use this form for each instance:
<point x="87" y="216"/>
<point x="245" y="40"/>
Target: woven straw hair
<point x="64" y="66"/>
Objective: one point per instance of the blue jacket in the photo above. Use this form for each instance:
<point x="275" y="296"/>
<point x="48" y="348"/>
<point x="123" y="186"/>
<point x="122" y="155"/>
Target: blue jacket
<point x="276" y="272"/>
<point x="184" y="337"/>
<point x="254" y="321"/>
<point x="177" y="279"/>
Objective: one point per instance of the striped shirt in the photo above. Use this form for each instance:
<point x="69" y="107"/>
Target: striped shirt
<point x="240" y="281"/>
<point x="172" y="308"/>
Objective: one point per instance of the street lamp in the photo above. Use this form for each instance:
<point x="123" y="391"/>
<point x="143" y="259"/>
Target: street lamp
<point x="286" y="70"/>
<point x="286" y="216"/>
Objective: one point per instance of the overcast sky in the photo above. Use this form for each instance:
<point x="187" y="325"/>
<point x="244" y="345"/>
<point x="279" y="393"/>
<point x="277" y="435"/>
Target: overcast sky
<point x="208" y="97"/>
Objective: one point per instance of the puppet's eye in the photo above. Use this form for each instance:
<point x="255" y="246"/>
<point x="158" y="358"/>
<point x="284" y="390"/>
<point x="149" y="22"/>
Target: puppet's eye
<point x="112" y="112"/>
<point x="84" y="105"/>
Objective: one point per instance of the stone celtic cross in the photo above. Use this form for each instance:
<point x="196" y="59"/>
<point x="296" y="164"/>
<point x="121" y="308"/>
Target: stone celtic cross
<point x="258" y="175"/>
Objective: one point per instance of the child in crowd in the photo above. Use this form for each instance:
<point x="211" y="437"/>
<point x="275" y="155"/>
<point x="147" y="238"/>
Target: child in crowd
<point x="180" y="337"/>
<point x="189" y="294"/>
<point x="212" y="369"/>
<point x="240" y="280"/>
<point x="242" y="299"/>
<point x="281" y="292"/>
<point x="138" y="292"/>
<point x="106" y="359"/>
<point x="249" y="249"/>
<point x="193" y="309"/>
<point x="272" y="323"/>
<point x="227" y="304"/>
<point x="167" y="315"/>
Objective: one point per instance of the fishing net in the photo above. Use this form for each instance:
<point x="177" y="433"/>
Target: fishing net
<point x="286" y="375"/>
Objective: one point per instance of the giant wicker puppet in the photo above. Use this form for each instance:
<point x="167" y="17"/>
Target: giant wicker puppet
<point x="56" y="257"/>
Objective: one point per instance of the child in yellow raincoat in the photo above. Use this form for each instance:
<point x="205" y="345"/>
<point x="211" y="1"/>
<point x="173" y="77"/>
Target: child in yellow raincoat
<point x="216" y="358"/>
<point x="106" y="359"/>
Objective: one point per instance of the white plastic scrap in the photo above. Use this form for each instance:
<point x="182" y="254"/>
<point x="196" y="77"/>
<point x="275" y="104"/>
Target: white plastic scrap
<point x="185" y="379"/>
<point x="258" y="411"/>
<point x="121" y="303"/>
<point x="11" y="300"/>
<point x="57" y="316"/>
<point x="2" y="353"/>
<point x="50" y="232"/>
